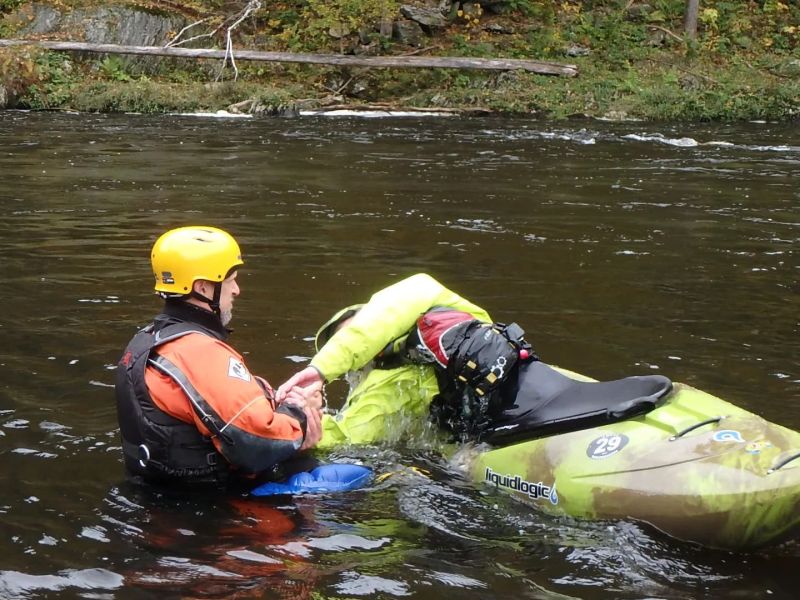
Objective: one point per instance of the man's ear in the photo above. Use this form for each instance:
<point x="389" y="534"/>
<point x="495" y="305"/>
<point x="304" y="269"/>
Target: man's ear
<point x="199" y="287"/>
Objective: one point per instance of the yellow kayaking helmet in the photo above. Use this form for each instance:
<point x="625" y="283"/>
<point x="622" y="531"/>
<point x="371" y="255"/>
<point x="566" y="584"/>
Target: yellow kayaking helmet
<point x="332" y="325"/>
<point x="182" y="256"/>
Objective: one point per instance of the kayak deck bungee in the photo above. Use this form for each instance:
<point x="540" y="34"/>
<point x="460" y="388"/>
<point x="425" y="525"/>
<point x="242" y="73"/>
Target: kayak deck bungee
<point x="696" y="467"/>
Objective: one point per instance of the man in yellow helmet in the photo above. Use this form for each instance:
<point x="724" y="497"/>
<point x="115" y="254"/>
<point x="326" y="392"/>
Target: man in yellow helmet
<point x="189" y="409"/>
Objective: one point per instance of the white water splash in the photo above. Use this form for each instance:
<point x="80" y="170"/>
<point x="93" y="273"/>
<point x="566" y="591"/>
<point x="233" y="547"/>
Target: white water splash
<point x="376" y="114"/>
<point x="250" y="556"/>
<point x="346" y="541"/>
<point x="684" y="142"/>
<point x="15" y="584"/>
<point x="295" y="358"/>
<point x="357" y="584"/>
<point x="220" y="114"/>
<point x="95" y="533"/>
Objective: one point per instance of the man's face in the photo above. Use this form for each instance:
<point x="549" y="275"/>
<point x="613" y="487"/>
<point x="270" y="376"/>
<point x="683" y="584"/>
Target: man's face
<point x="230" y="289"/>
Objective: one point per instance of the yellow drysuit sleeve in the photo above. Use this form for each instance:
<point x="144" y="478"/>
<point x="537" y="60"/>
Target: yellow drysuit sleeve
<point x="389" y="314"/>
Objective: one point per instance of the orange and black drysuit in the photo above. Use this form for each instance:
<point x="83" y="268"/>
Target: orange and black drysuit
<point x="189" y="409"/>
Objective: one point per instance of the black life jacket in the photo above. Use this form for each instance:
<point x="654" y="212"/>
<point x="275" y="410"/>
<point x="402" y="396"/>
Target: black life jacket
<point x="472" y="360"/>
<point x="156" y="445"/>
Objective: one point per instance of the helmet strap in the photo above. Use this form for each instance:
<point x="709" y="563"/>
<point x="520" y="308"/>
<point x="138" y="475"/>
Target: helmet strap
<point x="212" y="302"/>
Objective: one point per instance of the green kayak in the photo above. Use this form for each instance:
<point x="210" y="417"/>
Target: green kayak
<point x="696" y="467"/>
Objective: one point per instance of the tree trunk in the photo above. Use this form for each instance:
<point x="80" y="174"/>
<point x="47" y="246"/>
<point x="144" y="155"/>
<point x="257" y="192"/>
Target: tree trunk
<point x="690" y="18"/>
<point x="402" y="62"/>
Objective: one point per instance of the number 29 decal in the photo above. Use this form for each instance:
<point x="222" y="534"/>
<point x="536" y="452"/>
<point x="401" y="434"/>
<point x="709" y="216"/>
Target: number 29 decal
<point x="607" y="445"/>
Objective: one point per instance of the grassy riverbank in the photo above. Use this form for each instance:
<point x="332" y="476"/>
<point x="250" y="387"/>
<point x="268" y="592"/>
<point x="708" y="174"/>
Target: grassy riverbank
<point x="633" y="61"/>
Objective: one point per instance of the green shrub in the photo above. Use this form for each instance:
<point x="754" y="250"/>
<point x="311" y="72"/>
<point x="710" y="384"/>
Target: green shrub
<point x="18" y="70"/>
<point x="7" y="6"/>
<point x="37" y="79"/>
<point x="114" y="68"/>
<point x="342" y="16"/>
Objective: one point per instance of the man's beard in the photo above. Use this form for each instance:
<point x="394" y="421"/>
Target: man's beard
<point x="225" y="316"/>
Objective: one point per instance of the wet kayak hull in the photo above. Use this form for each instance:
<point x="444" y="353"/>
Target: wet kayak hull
<point x="697" y="467"/>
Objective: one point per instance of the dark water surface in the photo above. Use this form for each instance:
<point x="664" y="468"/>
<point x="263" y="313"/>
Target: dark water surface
<point x="621" y="248"/>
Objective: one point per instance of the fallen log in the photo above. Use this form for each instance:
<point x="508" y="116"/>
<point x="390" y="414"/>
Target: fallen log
<point x="400" y="62"/>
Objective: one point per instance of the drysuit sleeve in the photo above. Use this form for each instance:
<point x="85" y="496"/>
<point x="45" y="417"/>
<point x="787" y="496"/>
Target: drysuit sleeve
<point x="389" y="314"/>
<point x="213" y="388"/>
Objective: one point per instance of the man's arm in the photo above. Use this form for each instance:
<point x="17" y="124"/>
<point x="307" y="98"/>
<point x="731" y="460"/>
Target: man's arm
<point x="389" y="314"/>
<point x="213" y="389"/>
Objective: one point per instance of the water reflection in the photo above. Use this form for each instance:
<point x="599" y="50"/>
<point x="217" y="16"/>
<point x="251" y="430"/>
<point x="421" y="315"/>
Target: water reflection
<point x="212" y="546"/>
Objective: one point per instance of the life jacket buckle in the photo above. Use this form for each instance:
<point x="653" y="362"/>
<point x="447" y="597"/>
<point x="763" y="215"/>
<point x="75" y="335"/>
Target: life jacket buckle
<point x="144" y="455"/>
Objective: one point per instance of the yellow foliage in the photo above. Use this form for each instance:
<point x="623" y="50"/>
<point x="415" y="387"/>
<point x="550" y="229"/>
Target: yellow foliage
<point x="471" y="18"/>
<point x="567" y="8"/>
<point x="709" y="16"/>
<point x="18" y="69"/>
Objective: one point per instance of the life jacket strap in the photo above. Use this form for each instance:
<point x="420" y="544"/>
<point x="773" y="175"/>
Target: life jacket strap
<point x="212" y="471"/>
<point x="199" y="404"/>
<point x="481" y="357"/>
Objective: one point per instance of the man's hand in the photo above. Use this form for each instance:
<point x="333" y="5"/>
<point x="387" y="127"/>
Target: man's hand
<point x="308" y="398"/>
<point x="310" y="395"/>
<point x="313" y="428"/>
<point x="303" y="379"/>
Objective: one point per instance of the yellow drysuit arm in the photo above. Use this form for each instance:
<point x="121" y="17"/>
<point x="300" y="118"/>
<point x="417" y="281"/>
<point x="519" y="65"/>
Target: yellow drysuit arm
<point x="389" y="314"/>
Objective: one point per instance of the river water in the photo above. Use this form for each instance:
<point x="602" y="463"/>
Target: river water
<point x="621" y="249"/>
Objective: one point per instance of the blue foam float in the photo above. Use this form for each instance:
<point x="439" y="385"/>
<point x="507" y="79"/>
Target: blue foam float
<point x="337" y="477"/>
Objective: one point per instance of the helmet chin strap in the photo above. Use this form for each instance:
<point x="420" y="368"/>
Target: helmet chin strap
<point x="212" y="302"/>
